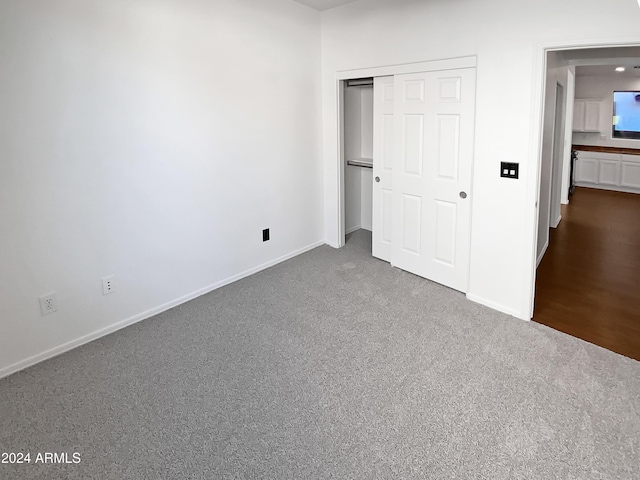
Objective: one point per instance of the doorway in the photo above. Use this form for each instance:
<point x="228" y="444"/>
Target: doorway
<point x="586" y="282"/>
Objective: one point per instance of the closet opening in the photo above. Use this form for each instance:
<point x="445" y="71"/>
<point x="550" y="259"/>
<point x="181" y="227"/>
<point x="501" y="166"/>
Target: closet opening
<point x="357" y="159"/>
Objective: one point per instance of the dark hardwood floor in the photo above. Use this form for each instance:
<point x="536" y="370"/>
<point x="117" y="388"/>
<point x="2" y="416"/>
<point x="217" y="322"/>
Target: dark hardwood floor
<point x="588" y="283"/>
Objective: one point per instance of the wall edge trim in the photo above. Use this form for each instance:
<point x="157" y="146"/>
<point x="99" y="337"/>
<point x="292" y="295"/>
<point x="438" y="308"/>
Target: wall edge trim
<point x="496" y="306"/>
<point x="542" y="252"/>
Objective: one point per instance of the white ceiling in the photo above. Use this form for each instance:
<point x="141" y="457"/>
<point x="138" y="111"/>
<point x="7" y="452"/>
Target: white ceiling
<point x="321" y="5"/>
<point x="602" y="70"/>
<point x="603" y="61"/>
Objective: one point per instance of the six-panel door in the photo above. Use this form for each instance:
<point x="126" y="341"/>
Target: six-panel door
<point x="433" y="124"/>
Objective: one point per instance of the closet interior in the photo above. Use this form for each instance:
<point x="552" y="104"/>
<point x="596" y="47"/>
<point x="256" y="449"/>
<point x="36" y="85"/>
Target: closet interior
<point x="358" y="154"/>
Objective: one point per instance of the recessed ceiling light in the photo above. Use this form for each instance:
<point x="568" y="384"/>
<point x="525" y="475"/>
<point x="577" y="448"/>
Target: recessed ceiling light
<point x="620" y="69"/>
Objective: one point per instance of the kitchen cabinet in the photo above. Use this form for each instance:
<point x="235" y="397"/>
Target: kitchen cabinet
<point x="586" y="115"/>
<point x="630" y="171"/>
<point x="609" y="171"/>
<point x="586" y="170"/>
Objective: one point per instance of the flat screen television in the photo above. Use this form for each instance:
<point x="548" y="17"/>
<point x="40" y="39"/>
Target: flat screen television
<point x="626" y="115"/>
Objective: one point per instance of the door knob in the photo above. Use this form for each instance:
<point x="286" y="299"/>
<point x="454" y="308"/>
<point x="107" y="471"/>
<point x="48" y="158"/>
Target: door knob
<point x="463" y="194"/>
<point x="377" y="179"/>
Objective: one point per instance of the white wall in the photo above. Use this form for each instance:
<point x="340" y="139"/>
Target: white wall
<point x="366" y="113"/>
<point x="602" y="88"/>
<point x="152" y="140"/>
<point x="507" y="37"/>
<point x="352" y="198"/>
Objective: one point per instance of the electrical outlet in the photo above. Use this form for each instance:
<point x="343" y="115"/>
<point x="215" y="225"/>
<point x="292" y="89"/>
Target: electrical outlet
<point x="48" y="303"/>
<point x="265" y="235"/>
<point x="108" y="285"/>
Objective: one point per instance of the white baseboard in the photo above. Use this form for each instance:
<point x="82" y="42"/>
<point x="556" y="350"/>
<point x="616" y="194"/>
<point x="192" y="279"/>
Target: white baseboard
<point x="544" y="250"/>
<point x="495" y="306"/>
<point x="65" y="347"/>
<point x="610" y="188"/>
<point x="352" y="229"/>
<point x="557" y="222"/>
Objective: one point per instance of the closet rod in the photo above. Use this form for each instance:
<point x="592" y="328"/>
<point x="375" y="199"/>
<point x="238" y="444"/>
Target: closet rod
<point x="360" y="82"/>
<point x="357" y="163"/>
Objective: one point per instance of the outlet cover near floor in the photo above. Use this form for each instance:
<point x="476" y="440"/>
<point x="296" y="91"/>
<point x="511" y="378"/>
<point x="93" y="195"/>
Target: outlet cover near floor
<point x="48" y="303"/>
<point x="108" y="285"/>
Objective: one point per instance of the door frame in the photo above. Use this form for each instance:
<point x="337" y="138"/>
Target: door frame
<point x="380" y="71"/>
<point x="559" y="141"/>
<point x="568" y="133"/>
<point x="537" y="125"/>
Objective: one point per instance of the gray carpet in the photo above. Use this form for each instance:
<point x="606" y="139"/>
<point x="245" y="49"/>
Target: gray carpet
<point x="330" y="365"/>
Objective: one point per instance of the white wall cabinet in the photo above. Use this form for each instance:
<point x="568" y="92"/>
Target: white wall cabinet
<point x="586" y="116"/>
<point x="609" y="171"/>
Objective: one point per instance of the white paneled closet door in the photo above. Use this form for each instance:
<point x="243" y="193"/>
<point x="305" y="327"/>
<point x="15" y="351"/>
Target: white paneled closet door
<point x="382" y="166"/>
<point x="433" y="123"/>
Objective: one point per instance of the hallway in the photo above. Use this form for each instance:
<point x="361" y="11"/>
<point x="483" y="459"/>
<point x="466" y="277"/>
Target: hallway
<point x="588" y="283"/>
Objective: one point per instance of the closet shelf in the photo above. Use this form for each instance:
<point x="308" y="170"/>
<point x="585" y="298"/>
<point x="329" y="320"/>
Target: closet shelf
<point x="361" y="162"/>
